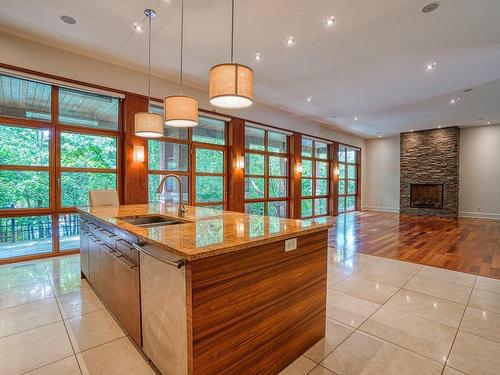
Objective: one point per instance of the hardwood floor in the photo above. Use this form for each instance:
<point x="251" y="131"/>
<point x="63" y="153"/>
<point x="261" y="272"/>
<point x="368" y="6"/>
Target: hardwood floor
<point x="467" y="245"/>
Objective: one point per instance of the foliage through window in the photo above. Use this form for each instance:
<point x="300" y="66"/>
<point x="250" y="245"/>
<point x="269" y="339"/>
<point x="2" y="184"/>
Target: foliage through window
<point x="348" y="178"/>
<point x="266" y="172"/>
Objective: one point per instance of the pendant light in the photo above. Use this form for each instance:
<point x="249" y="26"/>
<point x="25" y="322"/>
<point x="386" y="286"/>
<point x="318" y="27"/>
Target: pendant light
<point x="231" y="84"/>
<point x="147" y="124"/>
<point x="181" y="111"/>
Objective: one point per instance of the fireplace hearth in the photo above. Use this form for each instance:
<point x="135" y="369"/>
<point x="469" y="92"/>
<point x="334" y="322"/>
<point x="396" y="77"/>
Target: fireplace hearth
<point x="426" y="196"/>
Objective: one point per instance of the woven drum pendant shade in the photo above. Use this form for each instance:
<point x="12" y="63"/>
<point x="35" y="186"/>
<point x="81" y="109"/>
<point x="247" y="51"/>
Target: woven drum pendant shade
<point x="148" y="125"/>
<point x="231" y="86"/>
<point x="181" y="111"/>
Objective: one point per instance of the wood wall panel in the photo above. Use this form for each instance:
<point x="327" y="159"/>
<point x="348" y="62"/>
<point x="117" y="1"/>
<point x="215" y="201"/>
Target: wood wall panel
<point x="236" y="176"/>
<point x="135" y="173"/>
<point x="257" y="311"/>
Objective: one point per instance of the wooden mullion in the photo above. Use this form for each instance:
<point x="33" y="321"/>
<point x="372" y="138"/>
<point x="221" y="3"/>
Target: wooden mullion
<point x="22" y="212"/>
<point x="24" y="123"/>
<point x="90" y="131"/>
<point x="26" y="168"/>
<point x="88" y="170"/>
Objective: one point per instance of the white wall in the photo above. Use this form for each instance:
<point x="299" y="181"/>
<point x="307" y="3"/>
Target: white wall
<point x="43" y="58"/>
<point x="480" y="172"/>
<point x="380" y="190"/>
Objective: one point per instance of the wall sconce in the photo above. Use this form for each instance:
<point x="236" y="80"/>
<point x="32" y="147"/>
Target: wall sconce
<point x="138" y="153"/>
<point x="240" y="229"/>
<point x="336" y="171"/>
<point x="298" y="167"/>
<point x="240" y="162"/>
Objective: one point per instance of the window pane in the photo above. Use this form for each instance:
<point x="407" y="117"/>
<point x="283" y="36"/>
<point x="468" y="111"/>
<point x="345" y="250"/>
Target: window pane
<point x="24" y="189"/>
<point x="351" y="203"/>
<point x="89" y="110"/>
<point x="307" y="207"/>
<point x="321" y="187"/>
<point x="209" y="131"/>
<point x="168" y="131"/>
<point x="342" y="155"/>
<point x="168" y="156"/>
<point x="351" y="171"/>
<point x="209" y="189"/>
<point x="69" y="232"/>
<point x="254" y="138"/>
<point x="75" y="186"/>
<point x="171" y="190"/>
<point x="25" y="236"/>
<point x="277" y="209"/>
<point x="351" y="156"/>
<point x="24" y="146"/>
<point x="341" y="170"/>
<point x="277" y="142"/>
<point x="307" y="189"/>
<point x="307" y="147"/>
<point x="278" y="188"/>
<point x="278" y="166"/>
<point x="341" y="187"/>
<point x="351" y="187"/>
<point x="306" y="168"/>
<point x="255" y="208"/>
<point x="209" y="161"/>
<point x="341" y="204"/>
<point x="254" y="188"/>
<point x="88" y="151"/>
<point x="21" y="98"/>
<point x="321" y="150"/>
<point x="254" y="164"/>
<point x="320" y="206"/>
<point x="321" y="169"/>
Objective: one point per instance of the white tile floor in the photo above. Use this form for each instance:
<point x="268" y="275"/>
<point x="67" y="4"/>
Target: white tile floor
<point x="383" y="317"/>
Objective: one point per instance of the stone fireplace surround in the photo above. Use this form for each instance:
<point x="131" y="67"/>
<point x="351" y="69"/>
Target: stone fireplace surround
<point x="430" y="157"/>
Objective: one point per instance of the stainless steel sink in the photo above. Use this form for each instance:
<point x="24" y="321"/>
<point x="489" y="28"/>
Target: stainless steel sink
<point x="150" y="221"/>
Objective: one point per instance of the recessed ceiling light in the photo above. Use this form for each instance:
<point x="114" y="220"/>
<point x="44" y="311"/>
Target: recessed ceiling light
<point x="430" y="66"/>
<point x="69" y="20"/>
<point x="290" y="41"/>
<point x="439" y="127"/>
<point x="488" y="123"/>
<point x="138" y="27"/>
<point x="455" y="100"/>
<point x="258" y="56"/>
<point x="411" y="130"/>
<point x="308" y="99"/>
<point x="430" y="7"/>
<point x="356" y="118"/>
<point x="330" y="21"/>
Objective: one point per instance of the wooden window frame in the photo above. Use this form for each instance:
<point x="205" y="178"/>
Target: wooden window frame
<point x="266" y="176"/>
<point x="314" y="159"/>
<point x="191" y="172"/>
<point x="356" y="165"/>
<point x="55" y="209"/>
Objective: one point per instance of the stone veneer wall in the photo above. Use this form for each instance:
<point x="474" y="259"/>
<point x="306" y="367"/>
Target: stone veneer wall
<point x="430" y="157"/>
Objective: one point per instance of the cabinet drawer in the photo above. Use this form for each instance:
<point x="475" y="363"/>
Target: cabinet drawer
<point x="106" y="236"/>
<point x="127" y="249"/>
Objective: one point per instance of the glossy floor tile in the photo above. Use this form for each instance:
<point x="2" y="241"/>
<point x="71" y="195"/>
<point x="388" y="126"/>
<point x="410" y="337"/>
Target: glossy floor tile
<point x="51" y="322"/>
<point x="365" y="354"/>
<point x="419" y="335"/>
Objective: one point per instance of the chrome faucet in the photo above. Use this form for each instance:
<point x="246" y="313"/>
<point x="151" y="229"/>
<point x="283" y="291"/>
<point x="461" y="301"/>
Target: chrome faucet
<point x="182" y="209"/>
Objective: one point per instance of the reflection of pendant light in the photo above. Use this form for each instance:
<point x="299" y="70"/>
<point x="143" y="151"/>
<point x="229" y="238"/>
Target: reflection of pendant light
<point x="231" y="85"/>
<point x="147" y="124"/>
<point x="181" y="111"/>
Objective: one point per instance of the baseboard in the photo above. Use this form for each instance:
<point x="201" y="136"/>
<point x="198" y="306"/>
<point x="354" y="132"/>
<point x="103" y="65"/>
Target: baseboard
<point x="479" y="215"/>
<point x="381" y="209"/>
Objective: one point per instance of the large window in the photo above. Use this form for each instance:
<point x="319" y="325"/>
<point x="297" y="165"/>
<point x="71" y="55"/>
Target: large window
<point x="197" y="155"/>
<point x="348" y="178"/>
<point x="266" y="172"/>
<point x="315" y="178"/>
<point x="52" y="152"/>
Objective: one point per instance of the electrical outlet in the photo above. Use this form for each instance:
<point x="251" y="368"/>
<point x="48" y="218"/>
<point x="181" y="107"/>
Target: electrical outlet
<point x="291" y="244"/>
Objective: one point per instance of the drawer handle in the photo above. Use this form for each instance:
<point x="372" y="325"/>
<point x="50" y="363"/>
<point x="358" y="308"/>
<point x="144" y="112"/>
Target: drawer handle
<point x="176" y="263"/>
<point x="125" y="242"/>
<point x="108" y="249"/>
<point x="124" y="261"/>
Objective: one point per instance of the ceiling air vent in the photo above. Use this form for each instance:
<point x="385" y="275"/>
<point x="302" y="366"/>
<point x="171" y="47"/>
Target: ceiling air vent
<point x="430" y="7"/>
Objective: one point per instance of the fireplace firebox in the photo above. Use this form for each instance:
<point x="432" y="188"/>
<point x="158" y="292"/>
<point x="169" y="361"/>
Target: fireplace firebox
<point x="426" y="196"/>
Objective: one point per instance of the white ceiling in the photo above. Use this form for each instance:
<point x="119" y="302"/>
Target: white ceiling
<point x="370" y="64"/>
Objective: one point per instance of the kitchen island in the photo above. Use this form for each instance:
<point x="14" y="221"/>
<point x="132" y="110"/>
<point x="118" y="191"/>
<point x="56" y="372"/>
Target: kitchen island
<point x="214" y="292"/>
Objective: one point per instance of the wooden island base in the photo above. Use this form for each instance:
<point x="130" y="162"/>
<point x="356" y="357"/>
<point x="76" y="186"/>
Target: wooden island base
<point x="255" y="312"/>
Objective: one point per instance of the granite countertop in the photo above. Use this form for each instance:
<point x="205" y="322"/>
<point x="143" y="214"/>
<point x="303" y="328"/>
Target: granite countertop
<point x="207" y="232"/>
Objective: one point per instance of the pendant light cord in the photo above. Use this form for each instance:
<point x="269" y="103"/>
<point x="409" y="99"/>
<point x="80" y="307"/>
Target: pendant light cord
<point x="232" y="30"/>
<point x="149" y="62"/>
<point x="182" y="44"/>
